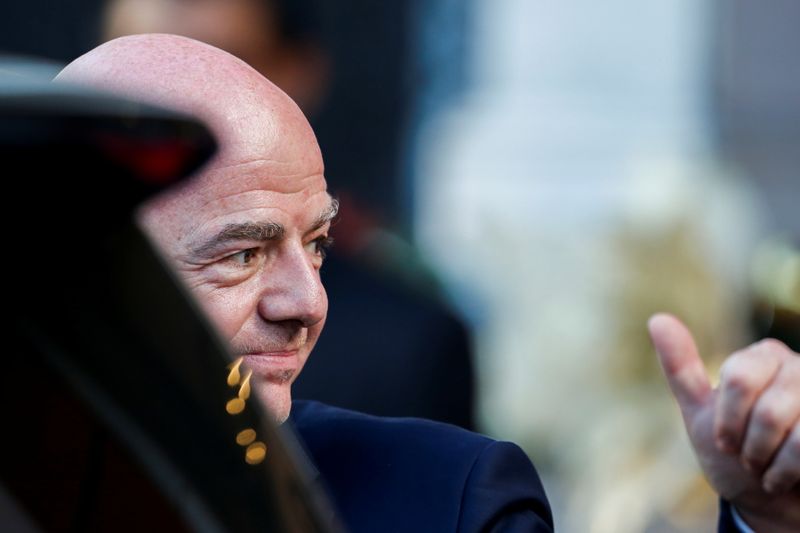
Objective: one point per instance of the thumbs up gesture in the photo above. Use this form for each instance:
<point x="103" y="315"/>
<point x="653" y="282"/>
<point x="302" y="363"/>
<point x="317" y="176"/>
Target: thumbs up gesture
<point x="746" y="432"/>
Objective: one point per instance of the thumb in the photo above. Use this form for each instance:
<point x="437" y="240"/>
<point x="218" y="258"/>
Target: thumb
<point x="678" y="355"/>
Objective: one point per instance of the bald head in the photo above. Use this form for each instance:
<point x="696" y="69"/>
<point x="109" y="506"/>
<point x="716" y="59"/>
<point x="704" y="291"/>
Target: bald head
<point x="245" y="234"/>
<point x="195" y="78"/>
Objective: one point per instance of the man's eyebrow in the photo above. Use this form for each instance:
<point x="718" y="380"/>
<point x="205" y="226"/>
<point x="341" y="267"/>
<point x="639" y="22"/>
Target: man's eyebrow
<point x="326" y="216"/>
<point x="259" y="231"/>
<point x="247" y="231"/>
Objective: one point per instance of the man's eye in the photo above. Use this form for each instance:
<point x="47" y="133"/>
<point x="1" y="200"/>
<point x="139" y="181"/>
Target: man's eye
<point x="321" y="245"/>
<point x="243" y="258"/>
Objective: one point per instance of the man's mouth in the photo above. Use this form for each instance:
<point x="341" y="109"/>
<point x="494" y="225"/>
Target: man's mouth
<point x="274" y="367"/>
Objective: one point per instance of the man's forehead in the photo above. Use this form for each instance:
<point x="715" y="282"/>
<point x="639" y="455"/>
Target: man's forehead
<point x="242" y="196"/>
<point x="300" y="196"/>
<point x="239" y="194"/>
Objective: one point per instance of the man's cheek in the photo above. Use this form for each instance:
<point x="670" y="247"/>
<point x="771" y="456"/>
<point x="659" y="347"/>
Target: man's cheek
<point x="225" y="313"/>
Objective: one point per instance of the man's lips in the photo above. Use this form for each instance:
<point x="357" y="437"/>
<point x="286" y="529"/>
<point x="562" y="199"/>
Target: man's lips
<point x="262" y="363"/>
<point x="276" y="353"/>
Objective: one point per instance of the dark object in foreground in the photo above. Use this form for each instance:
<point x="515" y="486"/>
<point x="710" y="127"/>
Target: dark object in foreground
<point x="114" y="387"/>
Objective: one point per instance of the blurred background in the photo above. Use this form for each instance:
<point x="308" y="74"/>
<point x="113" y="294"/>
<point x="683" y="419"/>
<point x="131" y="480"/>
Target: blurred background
<point x="523" y="182"/>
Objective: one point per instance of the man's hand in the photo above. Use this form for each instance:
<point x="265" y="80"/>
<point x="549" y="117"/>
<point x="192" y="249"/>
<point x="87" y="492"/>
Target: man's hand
<point x="746" y="432"/>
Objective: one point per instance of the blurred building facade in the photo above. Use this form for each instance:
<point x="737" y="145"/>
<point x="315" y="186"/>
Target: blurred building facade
<point x="589" y="177"/>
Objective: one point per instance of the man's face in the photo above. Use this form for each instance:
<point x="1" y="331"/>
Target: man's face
<point x="246" y="233"/>
<point x="248" y="240"/>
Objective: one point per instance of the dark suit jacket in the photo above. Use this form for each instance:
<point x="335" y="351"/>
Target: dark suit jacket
<point x="413" y="475"/>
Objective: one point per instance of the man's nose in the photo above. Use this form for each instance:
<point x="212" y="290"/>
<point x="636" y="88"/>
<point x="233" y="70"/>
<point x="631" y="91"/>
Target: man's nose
<point x="293" y="290"/>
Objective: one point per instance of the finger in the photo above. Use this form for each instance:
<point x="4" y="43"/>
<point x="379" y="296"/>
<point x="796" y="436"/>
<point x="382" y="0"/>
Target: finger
<point x="678" y="355"/>
<point x="784" y="472"/>
<point x="774" y="415"/>
<point x="743" y="378"/>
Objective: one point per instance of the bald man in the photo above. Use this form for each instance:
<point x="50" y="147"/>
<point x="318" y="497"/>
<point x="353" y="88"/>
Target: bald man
<point x="367" y="373"/>
<point x="247" y="235"/>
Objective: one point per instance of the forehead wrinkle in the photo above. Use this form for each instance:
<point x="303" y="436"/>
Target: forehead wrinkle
<point x="270" y="179"/>
<point x="253" y="161"/>
<point x="269" y="166"/>
<point x="207" y="197"/>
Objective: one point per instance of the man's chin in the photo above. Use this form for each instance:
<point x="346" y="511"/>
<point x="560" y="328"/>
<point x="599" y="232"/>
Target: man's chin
<point x="276" y="399"/>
